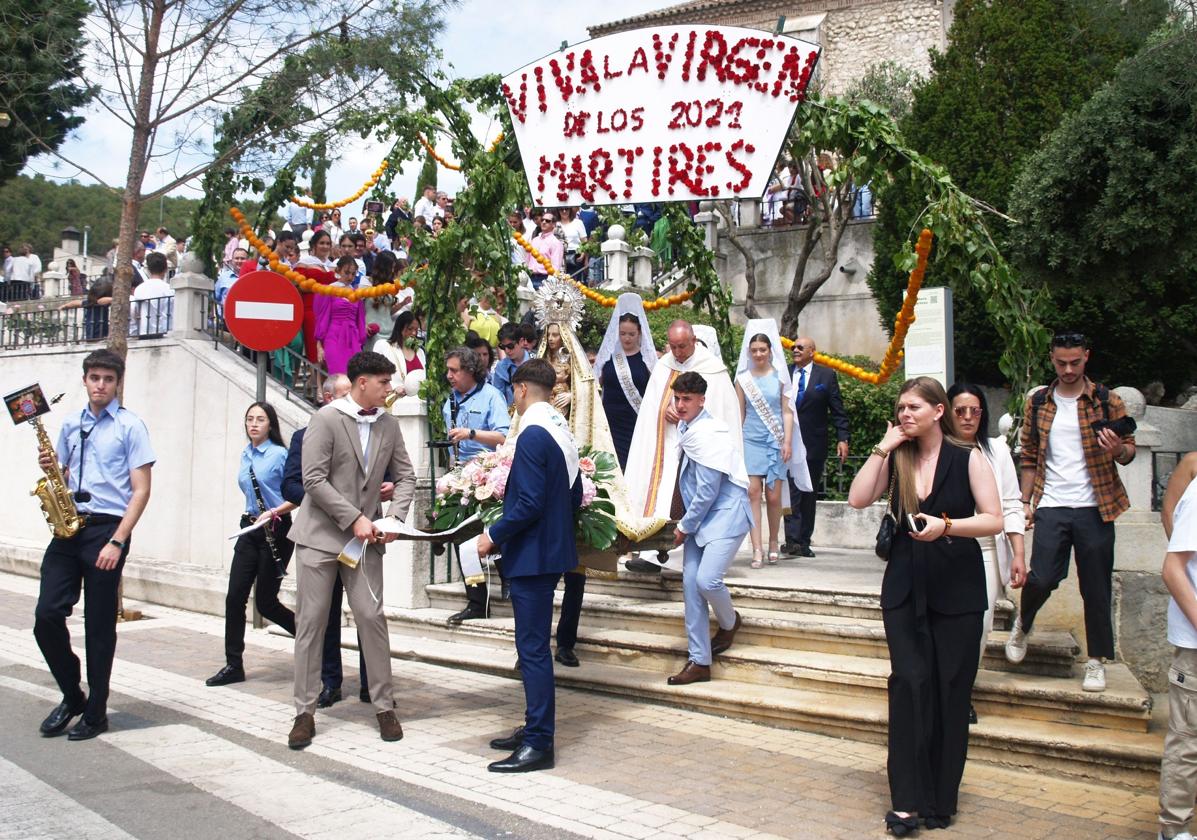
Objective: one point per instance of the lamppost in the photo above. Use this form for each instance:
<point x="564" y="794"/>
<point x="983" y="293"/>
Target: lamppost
<point x="86" y="231"/>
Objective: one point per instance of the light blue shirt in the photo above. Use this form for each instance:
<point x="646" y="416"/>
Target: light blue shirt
<point x="297" y="215"/>
<point x="117" y="443"/>
<point x="501" y="377"/>
<point x="483" y="409"/>
<point x="716" y="507"/>
<point x="268" y="460"/>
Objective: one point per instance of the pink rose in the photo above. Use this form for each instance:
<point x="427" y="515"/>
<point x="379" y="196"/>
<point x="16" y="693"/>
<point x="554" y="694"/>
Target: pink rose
<point x="589" y="491"/>
<point x="498" y="480"/>
<point x="587" y="466"/>
<point x="442" y="484"/>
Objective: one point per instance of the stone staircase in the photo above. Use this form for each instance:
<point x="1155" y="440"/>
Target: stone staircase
<point x="811" y="655"/>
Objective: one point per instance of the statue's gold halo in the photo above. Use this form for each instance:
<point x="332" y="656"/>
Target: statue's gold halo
<point x="558" y="302"/>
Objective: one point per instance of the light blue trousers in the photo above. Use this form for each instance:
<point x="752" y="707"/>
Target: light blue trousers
<point x="703" y="569"/>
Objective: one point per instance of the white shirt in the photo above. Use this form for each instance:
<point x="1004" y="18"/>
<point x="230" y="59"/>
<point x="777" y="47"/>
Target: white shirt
<point x="381" y="241"/>
<point x="1184" y="540"/>
<point x="364" y="421"/>
<point x="426" y="208"/>
<point x="22" y="270"/>
<point x="297" y="215"/>
<point x="37" y="263"/>
<point x="1066" y="479"/>
<point x="575" y="234"/>
<point x="153" y="303"/>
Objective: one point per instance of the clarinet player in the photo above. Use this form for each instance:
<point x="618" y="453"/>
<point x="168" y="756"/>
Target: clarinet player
<point x="262" y="555"/>
<point x="107" y="468"/>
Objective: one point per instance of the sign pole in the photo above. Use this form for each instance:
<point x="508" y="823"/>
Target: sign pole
<point x="261" y="391"/>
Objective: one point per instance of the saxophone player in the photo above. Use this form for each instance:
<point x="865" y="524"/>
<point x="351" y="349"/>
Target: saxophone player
<point x="106" y="463"/>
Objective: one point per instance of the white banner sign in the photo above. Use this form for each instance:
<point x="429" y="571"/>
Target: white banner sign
<point x="666" y="113"/>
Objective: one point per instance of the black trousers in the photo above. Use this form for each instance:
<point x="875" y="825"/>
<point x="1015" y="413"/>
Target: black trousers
<point x="933" y="663"/>
<point x="331" y="672"/>
<point x="253" y="562"/>
<point x="1057" y="532"/>
<point x="571" y="610"/>
<point x="68" y="566"/>
<point x="478" y="593"/>
<point x="800" y="522"/>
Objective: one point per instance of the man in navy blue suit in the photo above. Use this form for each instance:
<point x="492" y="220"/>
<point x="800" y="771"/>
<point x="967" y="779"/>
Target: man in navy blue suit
<point x="536" y="537"/>
<point x="815" y="397"/>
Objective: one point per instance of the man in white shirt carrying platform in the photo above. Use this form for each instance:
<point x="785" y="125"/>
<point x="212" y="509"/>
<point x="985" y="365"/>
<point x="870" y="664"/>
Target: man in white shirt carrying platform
<point x="1074" y="432"/>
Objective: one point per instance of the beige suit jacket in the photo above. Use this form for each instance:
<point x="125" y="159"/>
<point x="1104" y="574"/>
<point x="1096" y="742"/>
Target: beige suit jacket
<point x="338" y="484"/>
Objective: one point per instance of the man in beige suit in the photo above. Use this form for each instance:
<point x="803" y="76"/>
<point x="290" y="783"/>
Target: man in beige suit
<point x="349" y="446"/>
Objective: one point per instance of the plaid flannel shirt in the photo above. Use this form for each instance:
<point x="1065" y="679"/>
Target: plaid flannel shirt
<point x="1107" y="486"/>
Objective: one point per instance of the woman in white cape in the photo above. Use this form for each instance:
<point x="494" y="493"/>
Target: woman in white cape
<point x="772" y="446"/>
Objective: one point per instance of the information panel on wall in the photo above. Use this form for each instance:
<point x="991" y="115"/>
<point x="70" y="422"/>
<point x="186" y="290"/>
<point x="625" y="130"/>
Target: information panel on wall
<point x="929" y="344"/>
<point x="665" y="113"/>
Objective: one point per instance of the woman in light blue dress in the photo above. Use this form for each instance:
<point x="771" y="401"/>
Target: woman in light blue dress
<point x="768" y="430"/>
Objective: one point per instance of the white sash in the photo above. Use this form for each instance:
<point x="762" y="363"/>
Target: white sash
<point x="623" y="372"/>
<point x="753" y="393"/>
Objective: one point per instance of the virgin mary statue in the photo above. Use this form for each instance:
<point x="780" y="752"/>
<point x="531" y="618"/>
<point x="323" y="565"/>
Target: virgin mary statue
<point x="559" y="308"/>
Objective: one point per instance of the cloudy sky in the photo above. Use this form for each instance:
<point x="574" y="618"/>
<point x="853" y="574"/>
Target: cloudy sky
<point x="482" y="36"/>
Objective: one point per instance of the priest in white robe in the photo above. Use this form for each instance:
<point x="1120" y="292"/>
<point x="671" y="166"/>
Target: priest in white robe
<point x="653" y="461"/>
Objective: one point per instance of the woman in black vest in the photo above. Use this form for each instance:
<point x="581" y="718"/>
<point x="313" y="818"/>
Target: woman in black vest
<point x="932" y="597"/>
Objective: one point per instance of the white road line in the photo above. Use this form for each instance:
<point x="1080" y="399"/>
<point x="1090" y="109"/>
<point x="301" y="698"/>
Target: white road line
<point x="31" y="810"/>
<point x="290" y="799"/>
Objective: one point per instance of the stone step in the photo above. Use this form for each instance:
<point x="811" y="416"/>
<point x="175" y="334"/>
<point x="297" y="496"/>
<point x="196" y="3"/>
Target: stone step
<point x="1049" y="654"/>
<point x="1123" y="706"/>
<point x="1109" y="756"/>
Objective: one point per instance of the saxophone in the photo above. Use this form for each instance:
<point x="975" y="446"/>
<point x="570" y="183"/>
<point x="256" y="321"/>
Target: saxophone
<point x="58" y="506"/>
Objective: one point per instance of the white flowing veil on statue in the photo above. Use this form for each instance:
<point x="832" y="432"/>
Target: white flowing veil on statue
<point x="559" y="303"/>
<point x="629" y="303"/>
<point x="796" y="466"/>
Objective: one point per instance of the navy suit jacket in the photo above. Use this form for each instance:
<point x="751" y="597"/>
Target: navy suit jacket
<point x="820" y="399"/>
<point x="536" y="531"/>
<point x="292" y="489"/>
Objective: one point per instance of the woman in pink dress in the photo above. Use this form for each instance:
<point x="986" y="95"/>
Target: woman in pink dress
<point x="340" y="323"/>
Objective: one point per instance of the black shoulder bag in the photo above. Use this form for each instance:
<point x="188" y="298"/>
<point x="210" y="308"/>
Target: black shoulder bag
<point x="889" y="522"/>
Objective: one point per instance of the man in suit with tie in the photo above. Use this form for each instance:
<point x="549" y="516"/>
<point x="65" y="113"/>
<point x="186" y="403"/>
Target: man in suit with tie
<point x="714" y="492"/>
<point x="536" y="537"/>
<point x="815" y="397"/>
<point x="348" y="447"/>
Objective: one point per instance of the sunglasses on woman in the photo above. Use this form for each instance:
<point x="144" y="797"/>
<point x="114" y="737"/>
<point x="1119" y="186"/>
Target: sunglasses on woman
<point x="966" y="411"/>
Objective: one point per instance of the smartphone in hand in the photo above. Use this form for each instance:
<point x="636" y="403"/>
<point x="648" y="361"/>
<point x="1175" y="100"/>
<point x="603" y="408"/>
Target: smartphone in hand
<point x="915" y="524"/>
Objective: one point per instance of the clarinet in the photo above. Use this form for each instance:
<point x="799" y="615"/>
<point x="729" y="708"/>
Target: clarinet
<point x="268" y="528"/>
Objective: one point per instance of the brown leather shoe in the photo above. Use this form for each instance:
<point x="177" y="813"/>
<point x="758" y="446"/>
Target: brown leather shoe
<point x="723" y="639"/>
<point x="389" y="727"/>
<point x="302" y="731"/>
<point x="692" y="673"/>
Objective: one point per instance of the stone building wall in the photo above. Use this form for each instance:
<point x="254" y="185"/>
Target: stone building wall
<point x="853" y="33"/>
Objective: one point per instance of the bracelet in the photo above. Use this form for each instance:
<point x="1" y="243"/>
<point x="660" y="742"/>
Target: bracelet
<point x="1026" y="501"/>
<point x="117" y="543"/>
<point x="947" y="523"/>
<point x="879" y="452"/>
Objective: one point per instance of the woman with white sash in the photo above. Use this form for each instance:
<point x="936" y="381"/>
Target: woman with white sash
<point x="623" y="365"/>
<point x="762" y="382"/>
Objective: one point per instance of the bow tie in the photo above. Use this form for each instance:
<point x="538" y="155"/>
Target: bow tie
<point x="367" y="412"/>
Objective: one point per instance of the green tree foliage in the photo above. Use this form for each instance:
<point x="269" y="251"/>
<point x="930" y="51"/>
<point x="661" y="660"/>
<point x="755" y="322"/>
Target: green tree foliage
<point x="427" y="177"/>
<point x="1109" y="220"/>
<point x="47" y="207"/>
<point x="1010" y="72"/>
<point x="41" y="42"/>
<point x="887" y="84"/>
<point x="320" y="173"/>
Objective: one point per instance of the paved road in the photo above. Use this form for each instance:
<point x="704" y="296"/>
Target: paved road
<point x="184" y="760"/>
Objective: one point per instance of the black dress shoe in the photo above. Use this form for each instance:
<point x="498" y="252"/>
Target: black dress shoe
<point x="789" y="549"/>
<point x="83" y="731"/>
<point x="327" y="697"/>
<point x="59" y="719"/>
<point x="901" y="826"/>
<point x="804" y="551"/>
<point x="363" y="694"/>
<point x="972" y="714"/>
<point x="511" y="743"/>
<point x="524" y="760"/>
<point x="644" y="567"/>
<point x="226" y="676"/>
<point x="567" y="657"/>
<point x="933" y="821"/>
<point x="468" y="614"/>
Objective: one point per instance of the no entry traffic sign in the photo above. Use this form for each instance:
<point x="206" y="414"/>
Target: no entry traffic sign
<point x="263" y="311"/>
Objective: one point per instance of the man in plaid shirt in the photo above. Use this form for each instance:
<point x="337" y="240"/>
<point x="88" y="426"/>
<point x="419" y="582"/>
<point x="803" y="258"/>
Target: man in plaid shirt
<point x="1072" y="493"/>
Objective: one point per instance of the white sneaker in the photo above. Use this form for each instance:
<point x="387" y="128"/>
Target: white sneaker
<point x="1184" y="835"/>
<point x="1016" y="645"/>
<point x="1095" y="676"/>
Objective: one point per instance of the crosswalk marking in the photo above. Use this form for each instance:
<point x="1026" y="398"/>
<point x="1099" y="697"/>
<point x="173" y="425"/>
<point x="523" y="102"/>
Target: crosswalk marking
<point x="290" y="799"/>
<point x="31" y="810"/>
